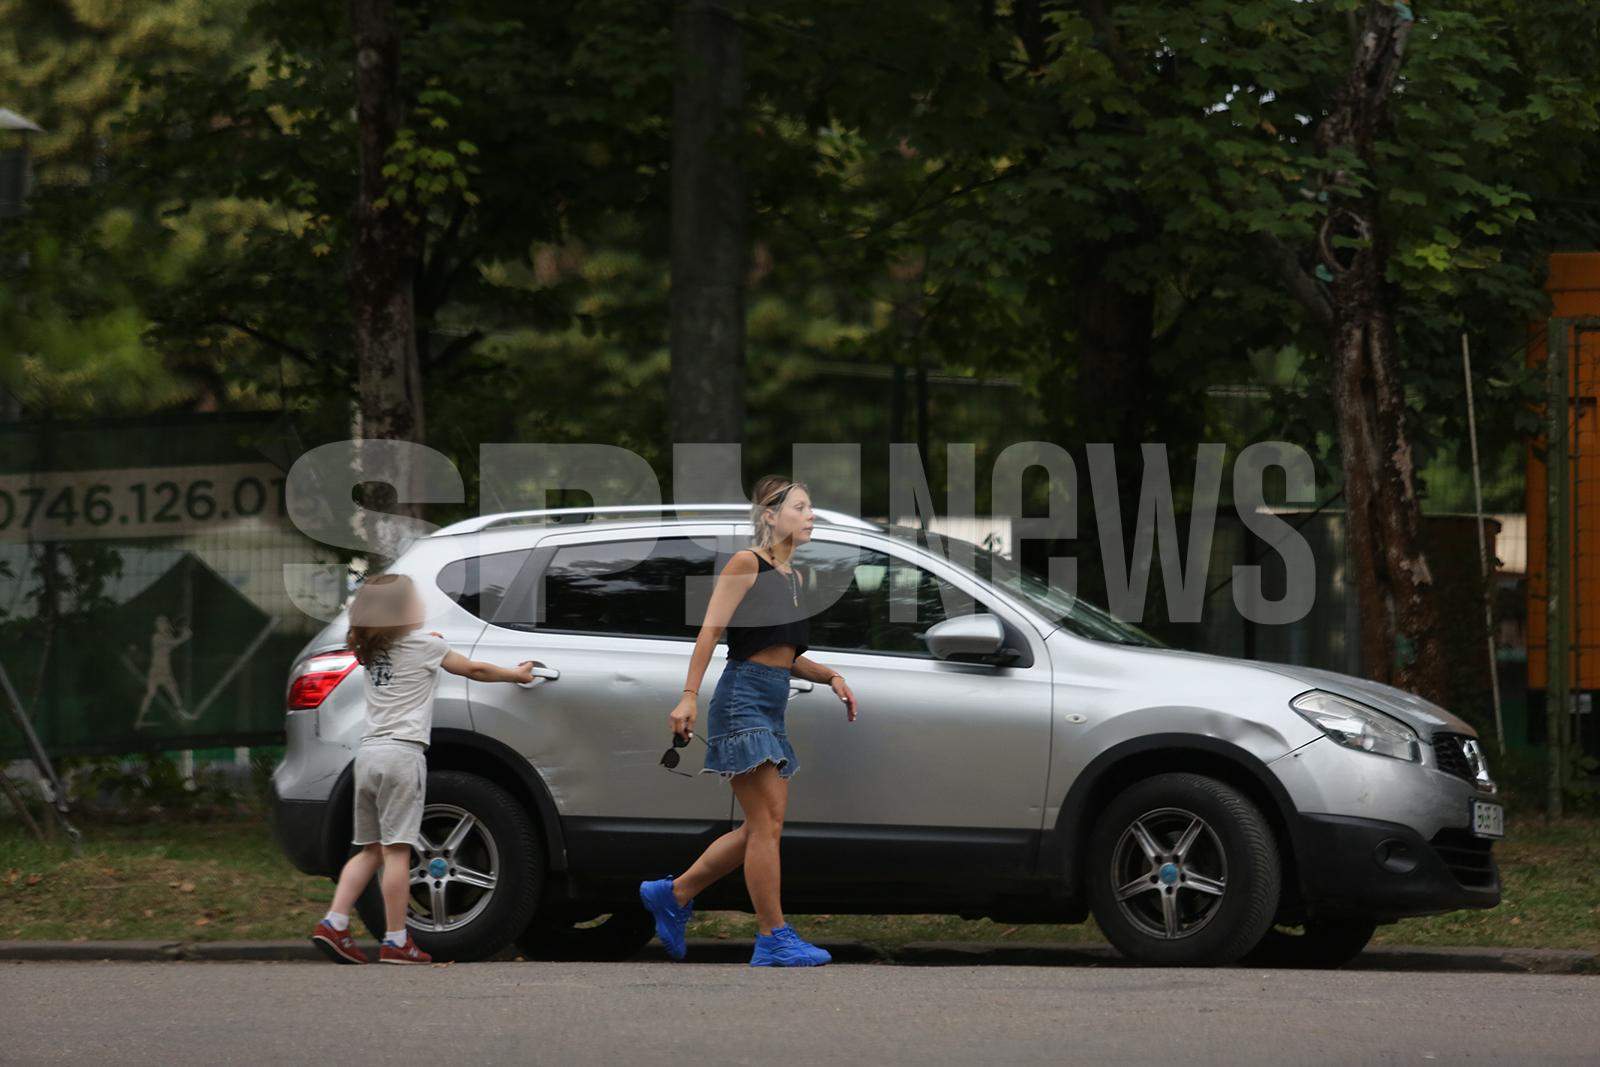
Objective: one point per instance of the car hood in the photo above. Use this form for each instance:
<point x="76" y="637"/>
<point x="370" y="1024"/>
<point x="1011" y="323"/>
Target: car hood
<point x="1423" y="715"/>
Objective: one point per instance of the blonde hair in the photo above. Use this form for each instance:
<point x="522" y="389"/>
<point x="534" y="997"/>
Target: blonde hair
<point x="770" y="492"/>
<point x="378" y="616"/>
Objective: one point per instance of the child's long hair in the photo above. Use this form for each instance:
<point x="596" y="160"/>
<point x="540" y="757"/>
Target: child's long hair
<point x="379" y="616"/>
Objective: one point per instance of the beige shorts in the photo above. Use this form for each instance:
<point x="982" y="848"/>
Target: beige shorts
<point x="391" y="780"/>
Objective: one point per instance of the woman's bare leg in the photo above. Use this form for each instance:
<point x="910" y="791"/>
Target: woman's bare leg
<point x="720" y="858"/>
<point x="764" y="797"/>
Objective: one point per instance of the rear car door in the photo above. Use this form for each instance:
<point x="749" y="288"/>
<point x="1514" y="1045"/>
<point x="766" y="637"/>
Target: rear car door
<point x="610" y="610"/>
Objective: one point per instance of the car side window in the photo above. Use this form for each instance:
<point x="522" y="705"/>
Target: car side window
<point x="480" y="583"/>
<point x="631" y="588"/>
<point x="883" y="601"/>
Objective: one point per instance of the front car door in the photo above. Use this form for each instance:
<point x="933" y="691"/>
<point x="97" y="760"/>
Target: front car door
<point x="943" y="774"/>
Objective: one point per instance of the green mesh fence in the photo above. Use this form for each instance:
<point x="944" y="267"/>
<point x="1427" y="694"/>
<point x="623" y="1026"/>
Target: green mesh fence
<point x="143" y="603"/>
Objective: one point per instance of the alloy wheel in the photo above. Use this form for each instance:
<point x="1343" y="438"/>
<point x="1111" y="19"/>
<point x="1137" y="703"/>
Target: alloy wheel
<point x="1169" y="873"/>
<point x="455" y="871"/>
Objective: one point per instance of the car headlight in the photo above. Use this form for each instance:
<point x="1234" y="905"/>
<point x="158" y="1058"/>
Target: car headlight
<point x="1478" y="764"/>
<point x="1358" y="726"/>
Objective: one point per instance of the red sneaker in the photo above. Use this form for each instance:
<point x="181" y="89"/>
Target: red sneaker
<point x="408" y="953"/>
<point x="337" y="945"/>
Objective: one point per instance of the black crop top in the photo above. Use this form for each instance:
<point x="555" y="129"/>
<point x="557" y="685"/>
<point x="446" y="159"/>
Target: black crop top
<point x="768" y="615"/>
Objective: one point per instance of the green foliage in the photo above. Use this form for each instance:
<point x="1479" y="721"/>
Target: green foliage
<point x="152" y="784"/>
<point x="1523" y="775"/>
<point x="425" y="168"/>
<point x="74" y="320"/>
<point x="997" y="189"/>
<point x="65" y="65"/>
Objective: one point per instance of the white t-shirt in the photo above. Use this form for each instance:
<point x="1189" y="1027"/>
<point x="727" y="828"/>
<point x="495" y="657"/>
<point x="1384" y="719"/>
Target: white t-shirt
<point x="400" y="683"/>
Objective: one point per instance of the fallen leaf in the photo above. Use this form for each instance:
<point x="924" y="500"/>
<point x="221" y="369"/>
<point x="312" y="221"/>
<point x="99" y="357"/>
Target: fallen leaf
<point x="202" y="921"/>
<point x="1008" y="931"/>
<point x="149" y="913"/>
<point x="34" y="879"/>
<point x="186" y="887"/>
<point x="1516" y="920"/>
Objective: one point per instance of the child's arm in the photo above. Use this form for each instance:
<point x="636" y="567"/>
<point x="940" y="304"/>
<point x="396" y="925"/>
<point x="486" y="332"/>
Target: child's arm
<point x="478" y="671"/>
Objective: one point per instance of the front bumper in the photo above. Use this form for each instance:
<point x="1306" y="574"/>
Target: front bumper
<point x="1383" y="836"/>
<point x="1390" y="871"/>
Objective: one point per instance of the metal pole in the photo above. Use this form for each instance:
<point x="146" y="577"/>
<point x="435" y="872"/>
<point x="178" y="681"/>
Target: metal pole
<point x="1483" y="548"/>
<point x="1557" y="549"/>
<point x="21" y="805"/>
<point x="40" y="759"/>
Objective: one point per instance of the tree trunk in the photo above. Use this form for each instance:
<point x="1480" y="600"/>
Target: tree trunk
<point x="1106" y="334"/>
<point x="1399" y="617"/>
<point x="1115" y="328"/>
<point x="709" y="257"/>
<point x="384" y="258"/>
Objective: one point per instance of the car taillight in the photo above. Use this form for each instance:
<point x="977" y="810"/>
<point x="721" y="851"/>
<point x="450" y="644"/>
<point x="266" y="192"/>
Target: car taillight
<point x="317" y="677"/>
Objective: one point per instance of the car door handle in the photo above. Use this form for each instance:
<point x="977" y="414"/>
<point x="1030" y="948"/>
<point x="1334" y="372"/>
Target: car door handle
<point x="540" y="672"/>
<point x="800" y="685"/>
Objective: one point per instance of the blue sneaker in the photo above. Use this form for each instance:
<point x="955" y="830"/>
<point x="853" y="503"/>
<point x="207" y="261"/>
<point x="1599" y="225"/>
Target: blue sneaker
<point x="671" y="917"/>
<point x="785" y="948"/>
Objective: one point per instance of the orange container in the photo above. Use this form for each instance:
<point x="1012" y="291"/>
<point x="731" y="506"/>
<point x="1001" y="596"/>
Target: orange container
<point x="1574" y="288"/>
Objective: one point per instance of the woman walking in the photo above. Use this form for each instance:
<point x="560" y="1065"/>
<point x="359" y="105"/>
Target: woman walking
<point x="757" y="601"/>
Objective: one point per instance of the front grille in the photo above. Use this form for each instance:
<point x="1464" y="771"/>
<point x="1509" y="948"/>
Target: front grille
<point x="1447" y="752"/>
<point x="1468" y="857"/>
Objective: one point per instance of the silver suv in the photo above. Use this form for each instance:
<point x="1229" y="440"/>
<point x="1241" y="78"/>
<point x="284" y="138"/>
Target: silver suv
<point x="1026" y="757"/>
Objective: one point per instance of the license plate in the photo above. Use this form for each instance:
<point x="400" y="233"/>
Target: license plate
<point x="1488" y="820"/>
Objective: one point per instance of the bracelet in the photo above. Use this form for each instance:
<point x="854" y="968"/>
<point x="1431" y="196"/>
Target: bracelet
<point x="694" y="691"/>
<point x="836" y="674"/>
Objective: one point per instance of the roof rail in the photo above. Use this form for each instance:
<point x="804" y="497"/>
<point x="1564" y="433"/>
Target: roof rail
<point x="563" y="516"/>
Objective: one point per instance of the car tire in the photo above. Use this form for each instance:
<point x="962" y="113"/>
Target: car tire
<point x="600" y="937"/>
<point x="1182" y="868"/>
<point x="498" y="841"/>
<point x="1318" y="943"/>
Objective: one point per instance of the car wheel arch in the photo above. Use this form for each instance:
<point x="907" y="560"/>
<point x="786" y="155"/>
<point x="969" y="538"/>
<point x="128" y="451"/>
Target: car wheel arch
<point x="1137" y="758"/>
<point x="473" y="753"/>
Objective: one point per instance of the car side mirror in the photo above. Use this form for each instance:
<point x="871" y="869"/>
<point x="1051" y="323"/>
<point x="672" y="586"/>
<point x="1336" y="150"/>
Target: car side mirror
<point x="977" y="638"/>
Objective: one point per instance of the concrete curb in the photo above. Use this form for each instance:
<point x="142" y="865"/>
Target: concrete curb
<point x="918" y="953"/>
<point x="1452" y="958"/>
<point x="1375" y="958"/>
<point x="89" y="950"/>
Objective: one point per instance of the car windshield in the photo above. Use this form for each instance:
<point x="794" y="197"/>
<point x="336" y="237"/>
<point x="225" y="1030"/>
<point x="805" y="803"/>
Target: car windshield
<point x="1073" y="614"/>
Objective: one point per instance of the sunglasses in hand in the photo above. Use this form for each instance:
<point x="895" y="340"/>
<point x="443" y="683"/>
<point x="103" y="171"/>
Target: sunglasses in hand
<point x="669" y="758"/>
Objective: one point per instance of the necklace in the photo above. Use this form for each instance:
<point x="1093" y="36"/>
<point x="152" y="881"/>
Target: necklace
<point x="793" y="582"/>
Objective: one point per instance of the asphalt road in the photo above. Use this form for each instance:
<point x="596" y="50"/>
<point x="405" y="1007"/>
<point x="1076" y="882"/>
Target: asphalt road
<point x="163" y="1013"/>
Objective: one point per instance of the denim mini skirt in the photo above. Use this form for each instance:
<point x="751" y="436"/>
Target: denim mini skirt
<point x="744" y="724"/>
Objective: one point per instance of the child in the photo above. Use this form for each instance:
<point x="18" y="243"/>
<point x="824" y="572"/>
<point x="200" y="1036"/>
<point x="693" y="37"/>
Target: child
<point x="390" y="769"/>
